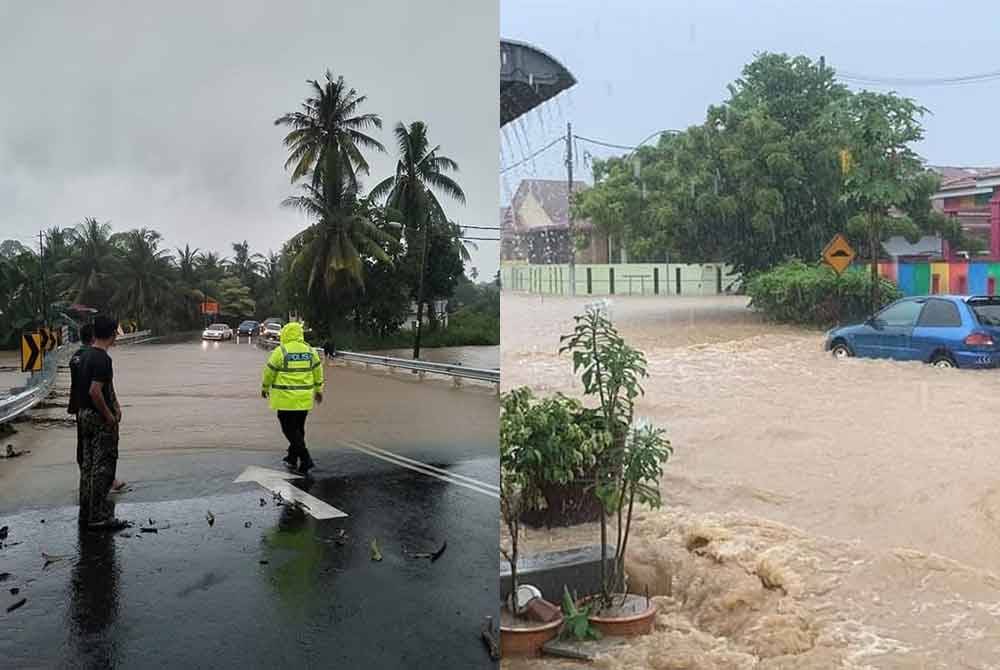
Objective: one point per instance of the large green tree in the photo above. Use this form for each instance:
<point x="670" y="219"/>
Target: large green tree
<point x="754" y="184"/>
<point x="885" y="180"/>
<point x="421" y="173"/>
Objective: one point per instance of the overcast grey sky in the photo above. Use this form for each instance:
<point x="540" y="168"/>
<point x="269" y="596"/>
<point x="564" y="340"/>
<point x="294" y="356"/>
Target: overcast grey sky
<point x="160" y="115"/>
<point x="644" y="66"/>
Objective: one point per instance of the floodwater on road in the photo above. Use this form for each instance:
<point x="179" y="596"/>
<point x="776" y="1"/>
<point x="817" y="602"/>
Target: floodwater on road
<point x="473" y="357"/>
<point x="225" y="571"/>
<point x="873" y="485"/>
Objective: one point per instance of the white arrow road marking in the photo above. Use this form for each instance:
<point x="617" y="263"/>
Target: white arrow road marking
<point x="276" y="482"/>
<point x="429" y="470"/>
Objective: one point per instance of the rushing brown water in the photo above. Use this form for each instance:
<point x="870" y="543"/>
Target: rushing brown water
<point x="819" y="513"/>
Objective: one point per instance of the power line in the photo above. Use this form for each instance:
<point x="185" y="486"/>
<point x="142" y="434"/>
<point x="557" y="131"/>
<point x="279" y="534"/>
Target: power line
<point x="481" y="239"/>
<point x="533" y="155"/>
<point x="605" y="144"/>
<point x="982" y="77"/>
<point x="481" y="227"/>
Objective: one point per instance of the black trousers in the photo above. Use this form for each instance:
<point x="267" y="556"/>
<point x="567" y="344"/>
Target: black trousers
<point x="293" y="426"/>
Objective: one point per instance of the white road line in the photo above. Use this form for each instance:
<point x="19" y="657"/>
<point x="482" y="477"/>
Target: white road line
<point x="275" y="482"/>
<point x="446" y="473"/>
<point x="423" y="469"/>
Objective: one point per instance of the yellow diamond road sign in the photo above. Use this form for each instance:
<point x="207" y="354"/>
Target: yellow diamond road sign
<point x="838" y="254"/>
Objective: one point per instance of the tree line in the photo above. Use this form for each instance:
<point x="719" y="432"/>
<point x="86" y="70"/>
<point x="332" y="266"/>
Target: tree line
<point x="358" y="265"/>
<point x="789" y="159"/>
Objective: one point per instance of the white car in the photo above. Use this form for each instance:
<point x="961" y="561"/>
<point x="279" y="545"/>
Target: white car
<point x="217" y="331"/>
<point x="272" y="331"/>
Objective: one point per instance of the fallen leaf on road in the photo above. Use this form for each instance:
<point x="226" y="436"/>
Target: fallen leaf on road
<point x="17" y="604"/>
<point x="51" y="558"/>
<point x="376" y="554"/>
<point x="210" y="518"/>
<point x="150" y="530"/>
<point x="4" y="576"/>
<point x="3" y="532"/>
<point x="14" y="591"/>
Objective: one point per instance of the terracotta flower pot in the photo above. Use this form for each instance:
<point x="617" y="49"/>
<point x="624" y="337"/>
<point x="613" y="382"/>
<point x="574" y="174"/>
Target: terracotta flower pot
<point x="527" y="640"/>
<point x="639" y="622"/>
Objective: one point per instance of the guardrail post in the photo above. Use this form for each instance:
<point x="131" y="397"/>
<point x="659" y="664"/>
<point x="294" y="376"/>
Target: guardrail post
<point x="457" y="381"/>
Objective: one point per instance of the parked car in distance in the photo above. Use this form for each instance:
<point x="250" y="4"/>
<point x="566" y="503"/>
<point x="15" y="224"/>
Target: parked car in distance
<point x="271" y="330"/>
<point x="248" y="328"/>
<point x="217" y="331"/>
<point x="946" y="331"/>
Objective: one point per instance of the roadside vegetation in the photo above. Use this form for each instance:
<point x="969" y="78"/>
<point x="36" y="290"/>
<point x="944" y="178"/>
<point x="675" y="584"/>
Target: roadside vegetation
<point x="354" y="271"/>
<point x="813" y="295"/>
<point x="788" y="160"/>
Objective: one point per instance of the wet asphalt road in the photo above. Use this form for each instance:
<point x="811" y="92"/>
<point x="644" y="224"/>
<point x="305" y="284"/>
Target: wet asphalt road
<point x="265" y="585"/>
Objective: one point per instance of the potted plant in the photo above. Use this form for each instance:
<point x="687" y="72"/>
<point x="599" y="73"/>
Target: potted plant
<point x="629" y="463"/>
<point x="518" y="635"/>
<point x="555" y="456"/>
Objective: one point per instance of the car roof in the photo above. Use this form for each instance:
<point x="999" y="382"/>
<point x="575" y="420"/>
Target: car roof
<point x="953" y="297"/>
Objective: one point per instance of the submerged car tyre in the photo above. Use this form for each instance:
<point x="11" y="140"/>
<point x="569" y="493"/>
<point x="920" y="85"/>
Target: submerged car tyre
<point x="841" y="350"/>
<point x="943" y="361"/>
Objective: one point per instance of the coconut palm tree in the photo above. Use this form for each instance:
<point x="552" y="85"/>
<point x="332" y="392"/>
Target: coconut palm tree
<point x="244" y="265"/>
<point x="86" y="272"/>
<point x="271" y="271"/>
<point x="420" y="174"/>
<point x="329" y="126"/>
<point x="211" y="266"/>
<point x="144" y="280"/>
<point x="186" y="263"/>
<point x="344" y="233"/>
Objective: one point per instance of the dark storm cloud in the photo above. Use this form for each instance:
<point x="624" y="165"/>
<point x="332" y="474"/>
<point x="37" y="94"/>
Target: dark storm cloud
<point x="162" y="115"/>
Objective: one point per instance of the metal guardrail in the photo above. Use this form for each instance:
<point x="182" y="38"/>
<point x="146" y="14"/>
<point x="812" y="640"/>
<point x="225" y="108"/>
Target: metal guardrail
<point x="456" y="372"/>
<point x="38" y="388"/>
<point x="448" y="369"/>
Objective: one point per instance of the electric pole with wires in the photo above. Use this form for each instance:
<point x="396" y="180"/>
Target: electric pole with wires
<point x="569" y="208"/>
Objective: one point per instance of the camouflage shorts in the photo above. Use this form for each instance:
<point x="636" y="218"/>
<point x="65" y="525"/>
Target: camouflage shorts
<point x="98" y="465"/>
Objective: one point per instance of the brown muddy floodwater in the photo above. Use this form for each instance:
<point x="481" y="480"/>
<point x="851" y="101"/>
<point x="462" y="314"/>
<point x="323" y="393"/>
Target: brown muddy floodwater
<point x="190" y="400"/>
<point x="819" y="513"/>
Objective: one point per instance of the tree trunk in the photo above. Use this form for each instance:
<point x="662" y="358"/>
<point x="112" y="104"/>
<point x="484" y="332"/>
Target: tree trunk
<point x="876" y="284"/>
<point x="420" y="293"/>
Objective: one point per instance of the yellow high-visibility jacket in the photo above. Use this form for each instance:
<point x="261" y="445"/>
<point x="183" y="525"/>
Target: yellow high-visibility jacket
<point x="293" y="374"/>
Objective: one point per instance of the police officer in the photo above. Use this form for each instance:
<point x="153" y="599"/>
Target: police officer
<point x="292" y="379"/>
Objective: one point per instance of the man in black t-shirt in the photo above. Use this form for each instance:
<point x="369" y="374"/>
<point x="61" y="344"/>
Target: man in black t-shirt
<point x="99" y="416"/>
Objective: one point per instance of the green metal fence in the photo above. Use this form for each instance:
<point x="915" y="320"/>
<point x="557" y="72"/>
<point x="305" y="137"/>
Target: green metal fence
<point x="638" y="279"/>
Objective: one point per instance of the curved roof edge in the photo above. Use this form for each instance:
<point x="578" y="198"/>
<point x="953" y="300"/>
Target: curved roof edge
<point x="528" y="77"/>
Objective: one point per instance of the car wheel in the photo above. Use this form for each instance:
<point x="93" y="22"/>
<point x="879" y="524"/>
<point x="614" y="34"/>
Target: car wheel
<point x="943" y="361"/>
<point x="841" y="351"/>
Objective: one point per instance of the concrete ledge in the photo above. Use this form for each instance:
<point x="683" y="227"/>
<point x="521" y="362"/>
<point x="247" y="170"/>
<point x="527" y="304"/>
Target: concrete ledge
<point x="579" y="569"/>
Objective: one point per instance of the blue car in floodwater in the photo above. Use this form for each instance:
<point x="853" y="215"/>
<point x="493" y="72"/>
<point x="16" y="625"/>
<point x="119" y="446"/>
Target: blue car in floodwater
<point x="944" y="330"/>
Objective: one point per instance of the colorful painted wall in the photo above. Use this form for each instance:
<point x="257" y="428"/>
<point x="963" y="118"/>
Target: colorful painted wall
<point x="956" y="277"/>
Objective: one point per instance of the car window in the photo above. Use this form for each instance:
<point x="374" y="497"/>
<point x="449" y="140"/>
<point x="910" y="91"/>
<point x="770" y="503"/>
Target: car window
<point x="987" y="311"/>
<point x="940" y="314"/>
<point x="901" y="314"/>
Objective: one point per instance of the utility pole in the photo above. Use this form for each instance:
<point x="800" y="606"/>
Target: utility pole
<point x="569" y="208"/>
<point x="420" y="291"/>
<point x="41" y="269"/>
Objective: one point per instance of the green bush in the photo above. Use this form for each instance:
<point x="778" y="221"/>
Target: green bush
<point x="814" y="295"/>
<point x="551" y="446"/>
